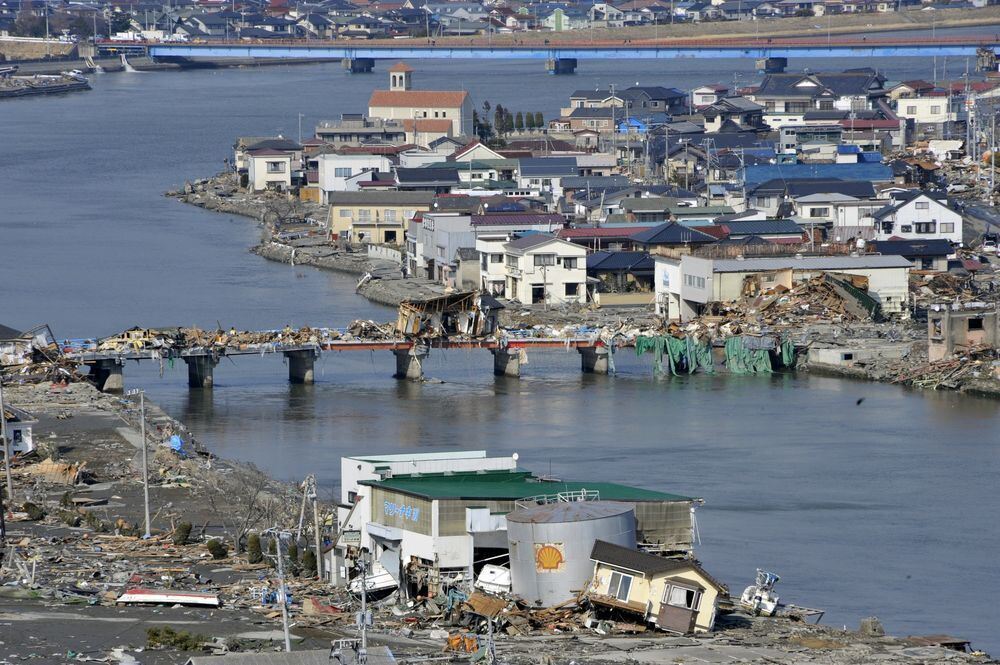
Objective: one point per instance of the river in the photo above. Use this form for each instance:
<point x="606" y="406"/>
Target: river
<point x="886" y="507"/>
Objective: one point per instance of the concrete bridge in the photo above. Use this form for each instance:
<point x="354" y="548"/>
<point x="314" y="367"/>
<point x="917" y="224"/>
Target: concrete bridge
<point x="561" y="58"/>
<point x="107" y="367"/>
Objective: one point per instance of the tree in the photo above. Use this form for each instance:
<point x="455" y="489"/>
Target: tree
<point x="254" y="553"/>
<point x="519" y="121"/>
<point x="28" y="25"/>
<point x="121" y="22"/>
<point x="499" y="113"/>
<point x="539" y="120"/>
<point x="486" y="108"/>
<point x="508" y="121"/>
<point x="529" y="121"/>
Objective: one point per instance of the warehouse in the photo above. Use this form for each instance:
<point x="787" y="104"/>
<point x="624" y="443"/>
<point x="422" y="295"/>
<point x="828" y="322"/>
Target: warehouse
<point x="431" y="528"/>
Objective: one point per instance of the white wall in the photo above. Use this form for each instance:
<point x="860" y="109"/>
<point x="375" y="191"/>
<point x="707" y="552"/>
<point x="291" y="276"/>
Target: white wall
<point x="259" y="178"/>
<point x="330" y="181"/>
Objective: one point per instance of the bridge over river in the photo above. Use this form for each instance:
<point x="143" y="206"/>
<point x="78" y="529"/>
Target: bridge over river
<point x="562" y="57"/>
<point x="107" y="365"/>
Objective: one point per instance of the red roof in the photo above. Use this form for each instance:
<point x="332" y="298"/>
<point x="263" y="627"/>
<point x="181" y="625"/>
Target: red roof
<point x="447" y="99"/>
<point x="601" y="232"/>
<point x="719" y="231"/>
<point x="401" y="67"/>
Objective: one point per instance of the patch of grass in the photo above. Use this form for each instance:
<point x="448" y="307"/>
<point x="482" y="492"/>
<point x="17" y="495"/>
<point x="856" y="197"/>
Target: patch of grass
<point x="167" y="637"/>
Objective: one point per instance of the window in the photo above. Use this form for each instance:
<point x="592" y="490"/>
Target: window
<point x="680" y="596"/>
<point x="389" y="215"/>
<point x="364" y="214"/>
<point x="496" y="258"/>
<point x="511" y="261"/>
<point x="947" y="227"/>
<point x="923" y="205"/>
<point x="911" y="110"/>
<point x="819" y="212"/>
<point x="352" y="497"/>
<point x="696" y="282"/>
<point x="905" y="228"/>
<point x="390" y="237"/>
<point x="935" y="110"/>
<point x="826" y="105"/>
<point x="344" y="172"/>
<point x="482" y="260"/>
<point x="440" y="252"/>
<point x="344" y="212"/>
<point x="444" y="114"/>
<point x="572" y="289"/>
<point x="975" y="324"/>
<point x="569" y="263"/>
<point x="764" y="201"/>
<point x="545" y="259"/>
<point x="926" y="227"/>
<point x="620" y="586"/>
<point x="275" y="167"/>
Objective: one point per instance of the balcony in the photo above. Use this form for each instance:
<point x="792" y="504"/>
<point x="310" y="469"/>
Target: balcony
<point x="514" y="272"/>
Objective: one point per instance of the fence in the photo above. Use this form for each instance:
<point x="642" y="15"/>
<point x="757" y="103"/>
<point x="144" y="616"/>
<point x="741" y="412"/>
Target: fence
<point x="386" y="252"/>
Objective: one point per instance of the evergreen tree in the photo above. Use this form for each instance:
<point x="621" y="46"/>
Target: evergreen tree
<point x="519" y="121"/>
<point x="499" y="113"/>
<point x="539" y="120"/>
<point x="529" y="121"/>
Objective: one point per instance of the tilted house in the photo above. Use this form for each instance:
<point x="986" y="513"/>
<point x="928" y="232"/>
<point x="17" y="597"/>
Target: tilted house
<point x="675" y="595"/>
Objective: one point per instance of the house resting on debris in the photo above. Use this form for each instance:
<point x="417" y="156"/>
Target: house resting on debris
<point x="675" y="595"/>
<point x="18" y="430"/>
<point x="469" y="313"/>
<point x="431" y="520"/>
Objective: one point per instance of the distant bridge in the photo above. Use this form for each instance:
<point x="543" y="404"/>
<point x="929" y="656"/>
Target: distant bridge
<point x="562" y="57"/>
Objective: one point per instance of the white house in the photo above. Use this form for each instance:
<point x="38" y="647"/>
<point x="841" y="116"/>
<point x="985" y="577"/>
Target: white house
<point x="492" y="263"/>
<point x="401" y="102"/>
<point x="685" y="284"/>
<point x="338" y="173"/>
<point x="269" y="169"/>
<point x="919" y="216"/>
<point x="544" y="269"/>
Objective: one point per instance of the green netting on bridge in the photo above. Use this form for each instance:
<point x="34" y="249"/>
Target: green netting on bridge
<point x="684" y="355"/>
<point x="741" y="359"/>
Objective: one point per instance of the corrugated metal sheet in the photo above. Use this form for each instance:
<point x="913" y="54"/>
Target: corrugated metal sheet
<point x="812" y="263"/>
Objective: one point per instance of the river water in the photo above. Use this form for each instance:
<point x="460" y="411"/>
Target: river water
<point x="886" y="507"/>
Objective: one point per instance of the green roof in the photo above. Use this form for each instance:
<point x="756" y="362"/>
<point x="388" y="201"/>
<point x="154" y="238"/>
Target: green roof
<point x="510" y="486"/>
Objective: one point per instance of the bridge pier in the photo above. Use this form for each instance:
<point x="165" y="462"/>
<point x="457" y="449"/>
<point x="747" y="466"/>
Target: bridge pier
<point x="409" y="363"/>
<point x="301" y="365"/>
<point x="358" y="65"/>
<point x="201" y="371"/>
<point x="507" y="362"/>
<point x="559" y="66"/>
<point x="108" y="376"/>
<point x="594" y="359"/>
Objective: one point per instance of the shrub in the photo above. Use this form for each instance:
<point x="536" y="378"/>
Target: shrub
<point x="217" y="549"/>
<point x="254" y="554"/>
<point x="175" y="639"/>
<point x="70" y="518"/>
<point x="309" y="563"/>
<point x="34" y="511"/>
<point x="66" y="501"/>
<point x="182" y="533"/>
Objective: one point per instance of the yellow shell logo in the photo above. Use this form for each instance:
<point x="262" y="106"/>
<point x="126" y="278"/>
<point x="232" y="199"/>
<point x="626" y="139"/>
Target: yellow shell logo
<point x="548" y="557"/>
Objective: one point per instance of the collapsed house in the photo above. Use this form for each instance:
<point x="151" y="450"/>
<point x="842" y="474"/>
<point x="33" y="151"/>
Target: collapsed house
<point x="433" y="520"/>
<point x="469" y="313"/>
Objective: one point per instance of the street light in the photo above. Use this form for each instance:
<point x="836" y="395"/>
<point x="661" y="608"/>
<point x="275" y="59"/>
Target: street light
<point x="6" y="464"/>
<point x="145" y="465"/>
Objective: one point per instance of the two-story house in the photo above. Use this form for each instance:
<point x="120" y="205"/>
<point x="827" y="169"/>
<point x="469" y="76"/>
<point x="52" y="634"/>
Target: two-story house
<point x="377" y="217"/>
<point x="543" y="269"/>
<point x="919" y="215"/>
<point x="787" y="97"/>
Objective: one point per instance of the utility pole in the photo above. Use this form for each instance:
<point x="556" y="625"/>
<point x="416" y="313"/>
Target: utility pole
<point x="6" y="445"/>
<point x="300" y="129"/>
<point x="145" y="465"/>
<point x="281" y="595"/>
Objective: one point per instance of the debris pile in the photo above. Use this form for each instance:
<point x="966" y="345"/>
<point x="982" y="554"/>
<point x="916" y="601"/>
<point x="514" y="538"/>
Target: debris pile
<point x="980" y="362"/>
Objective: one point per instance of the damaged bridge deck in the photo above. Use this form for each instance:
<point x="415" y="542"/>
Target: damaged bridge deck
<point x="107" y="366"/>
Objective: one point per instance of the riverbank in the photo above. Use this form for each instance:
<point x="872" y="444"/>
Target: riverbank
<point x="63" y="574"/>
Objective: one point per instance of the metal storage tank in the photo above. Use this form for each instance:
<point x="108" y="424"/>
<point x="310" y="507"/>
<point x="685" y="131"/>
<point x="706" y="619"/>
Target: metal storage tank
<point x="550" y="546"/>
